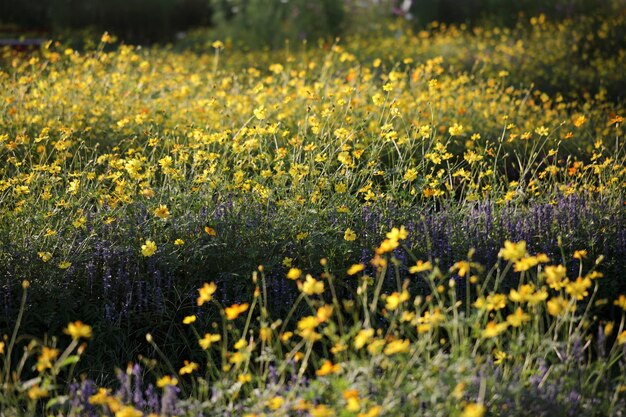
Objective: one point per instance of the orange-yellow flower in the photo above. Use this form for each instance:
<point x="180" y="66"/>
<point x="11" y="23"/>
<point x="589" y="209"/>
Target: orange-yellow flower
<point x="328" y="368"/>
<point x="235" y="310"/>
<point x="206" y="293"/>
<point x="78" y="329"/>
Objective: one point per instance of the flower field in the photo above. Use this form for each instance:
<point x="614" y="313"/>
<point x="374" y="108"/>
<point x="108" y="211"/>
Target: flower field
<point x="405" y="223"/>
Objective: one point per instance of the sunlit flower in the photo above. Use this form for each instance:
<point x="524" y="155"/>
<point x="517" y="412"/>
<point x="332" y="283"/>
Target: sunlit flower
<point x="355" y="269"/>
<point x="235" y="310"/>
<point x="473" y="410"/>
<point x="149" y="248"/>
<point x="328" y="368"/>
<point x="166" y="380"/>
<point x="208" y="340"/>
<point x="294" y="273"/>
<point x="162" y="212"/>
<point x="349" y="235"/>
<point x="206" y="293"/>
<point x="188" y="368"/>
<point x="78" y="330"/>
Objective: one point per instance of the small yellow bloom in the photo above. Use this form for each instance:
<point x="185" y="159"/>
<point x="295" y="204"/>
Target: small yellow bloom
<point x="179" y="242"/>
<point x="294" y="273"/>
<point x="162" y="212"/>
<point x="35" y="393"/>
<point x="44" y="361"/>
<point x="362" y="338"/>
<point x="349" y="235"/>
<point x="578" y="288"/>
<point x="165" y="381"/>
<point x="235" y="310"/>
<point x="65" y="265"/>
<point x="556" y="306"/>
<point x="621" y="302"/>
<point x="473" y="410"/>
<point x="621" y="338"/>
<point x="189" y="319"/>
<point x="493" y="329"/>
<point x="397" y="346"/>
<point x="372" y="412"/>
<point x="188" y="368"/>
<point x="128" y="411"/>
<point x="208" y="340"/>
<point x="518" y="318"/>
<point x="312" y="286"/>
<point x="513" y="251"/>
<point x="210" y="231"/>
<point x="395" y="299"/>
<point x="421" y="266"/>
<point x="580" y="254"/>
<point x="355" y="269"/>
<point x="321" y="410"/>
<point x="77" y="330"/>
<point x="328" y="368"/>
<point x="149" y="248"/>
<point x="275" y="403"/>
<point x="556" y="276"/>
<point x="206" y="293"/>
<point x="99" y="398"/>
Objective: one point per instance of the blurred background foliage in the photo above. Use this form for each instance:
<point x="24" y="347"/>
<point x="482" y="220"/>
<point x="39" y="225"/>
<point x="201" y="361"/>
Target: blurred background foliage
<point x="259" y="23"/>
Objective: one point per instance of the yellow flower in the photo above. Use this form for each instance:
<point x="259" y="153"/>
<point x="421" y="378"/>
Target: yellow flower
<point x="165" y="381"/>
<point x="372" y="412"/>
<point x="35" y="393"/>
<point x="324" y="313"/>
<point x="77" y="330"/>
<point x="513" y="251"/>
<point x="260" y="113"/>
<point x="217" y="44"/>
<point x="556" y="276"/>
<point x="321" y="411"/>
<point x="398" y="234"/>
<point x="556" y="306"/>
<point x="352" y="399"/>
<point x="621" y="338"/>
<point x="328" y="368"/>
<point x="44" y="256"/>
<point x="162" y="212"/>
<point x="493" y="329"/>
<point x="149" y="248"/>
<point x="235" y="310"/>
<point x="518" y="318"/>
<point x="355" y="269"/>
<point x="65" y="265"/>
<point x="206" y="293"/>
<point x="188" y="368"/>
<point x="275" y="403"/>
<point x="128" y="411"/>
<point x="210" y="231"/>
<point x="621" y="302"/>
<point x="499" y="357"/>
<point x="189" y="319"/>
<point x="421" y="266"/>
<point x="397" y="346"/>
<point x="362" y="338"/>
<point x="244" y="378"/>
<point x="473" y="410"/>
<point x="455" y="130"/>
<point x="99" y="398"/>
<point x="294" y="273"/>
<point x="208" y="340"/>
<point x="179" y="242"/>
<point x="349" y="235"/>
<point x="580" y="254"/>
<point x="578" y="288"/>
<point x="312" y="286"/>
<point x="393" y="300"/>
<point x="44" y="361"/>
